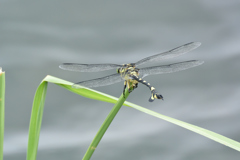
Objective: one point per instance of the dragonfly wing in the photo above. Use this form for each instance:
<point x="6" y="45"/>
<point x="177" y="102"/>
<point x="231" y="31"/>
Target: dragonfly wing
<point x="175" y="67"/>
<point x="103" y="81"/>
<point x="88" y="67"/>
<point x="170" y="54"/>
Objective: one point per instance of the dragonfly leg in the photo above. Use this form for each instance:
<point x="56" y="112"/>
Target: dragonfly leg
<point x="127" y="84"/>
<point x="129" y="87"/>
<point x="136" y="85"/>
<point x="154" y="94"/>
<point x="124" y="87"/>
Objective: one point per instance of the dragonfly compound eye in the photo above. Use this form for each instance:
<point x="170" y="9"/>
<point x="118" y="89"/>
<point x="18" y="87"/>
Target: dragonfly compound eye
<point x="118" y="70"/>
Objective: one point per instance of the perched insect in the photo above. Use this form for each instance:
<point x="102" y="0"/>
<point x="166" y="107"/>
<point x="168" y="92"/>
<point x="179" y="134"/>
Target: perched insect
<point x="132" y="75"/>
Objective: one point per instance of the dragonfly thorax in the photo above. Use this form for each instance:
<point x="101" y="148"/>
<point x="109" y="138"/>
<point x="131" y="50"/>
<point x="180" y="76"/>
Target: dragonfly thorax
<point x="127" y="71"/>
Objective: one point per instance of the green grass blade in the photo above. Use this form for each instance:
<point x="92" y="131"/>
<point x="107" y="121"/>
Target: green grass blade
<point x="38" y="104"/>
<point x="85" y="92"/>
<point x="36" y="120"/>
<point x="209" y="134"/>
<point x="105" y="126"/>
<point x="2" y="110"/>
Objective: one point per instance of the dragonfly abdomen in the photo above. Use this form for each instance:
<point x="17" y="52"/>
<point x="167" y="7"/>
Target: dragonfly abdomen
<point x="154" y="94"/>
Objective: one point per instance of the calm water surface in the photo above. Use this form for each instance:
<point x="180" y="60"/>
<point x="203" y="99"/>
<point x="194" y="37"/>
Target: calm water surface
<point x="38" y="36"/>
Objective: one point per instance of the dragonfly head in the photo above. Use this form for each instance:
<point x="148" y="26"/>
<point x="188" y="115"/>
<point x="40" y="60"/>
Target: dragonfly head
<point x="121" y="70"/>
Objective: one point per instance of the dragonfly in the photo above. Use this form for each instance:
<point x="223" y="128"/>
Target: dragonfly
<point x="131" y="74"/>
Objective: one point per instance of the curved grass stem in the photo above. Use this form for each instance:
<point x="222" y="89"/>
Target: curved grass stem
<point x="105" y="126"/>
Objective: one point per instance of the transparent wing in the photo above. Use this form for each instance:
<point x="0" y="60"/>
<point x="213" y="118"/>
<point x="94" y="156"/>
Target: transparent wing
<point x="175" y="67"/>
<point x="103" y="81"/>
<point x="88" y="67"/>
<point x="170" y="54"/>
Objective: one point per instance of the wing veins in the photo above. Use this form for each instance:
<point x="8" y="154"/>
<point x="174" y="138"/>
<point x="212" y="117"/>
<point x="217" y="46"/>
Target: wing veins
<point x="98" y="82"/>
<point x="175" y="67"/>
<point x="88" y="67"/>
<point x="171" y="53"/>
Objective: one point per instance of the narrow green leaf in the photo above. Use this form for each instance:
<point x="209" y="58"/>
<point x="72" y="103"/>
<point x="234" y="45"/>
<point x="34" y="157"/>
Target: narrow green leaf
<point x="36" y="121"/>
<point x="105" y="126"/>
<point x="38" y="105"/>
<point x="2" y="110"/>
<point x="85" y="92"/>
<point x="209" y="134"/>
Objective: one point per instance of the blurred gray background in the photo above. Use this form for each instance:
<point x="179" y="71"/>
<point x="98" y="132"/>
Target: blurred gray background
<point x="36" y="37"/>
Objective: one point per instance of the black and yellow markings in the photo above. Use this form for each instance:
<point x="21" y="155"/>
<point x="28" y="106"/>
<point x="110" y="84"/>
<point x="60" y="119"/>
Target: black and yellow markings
<point x="154" y="94"/>
<point x="130" y="74"/>
<point x="126" y="72"/>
